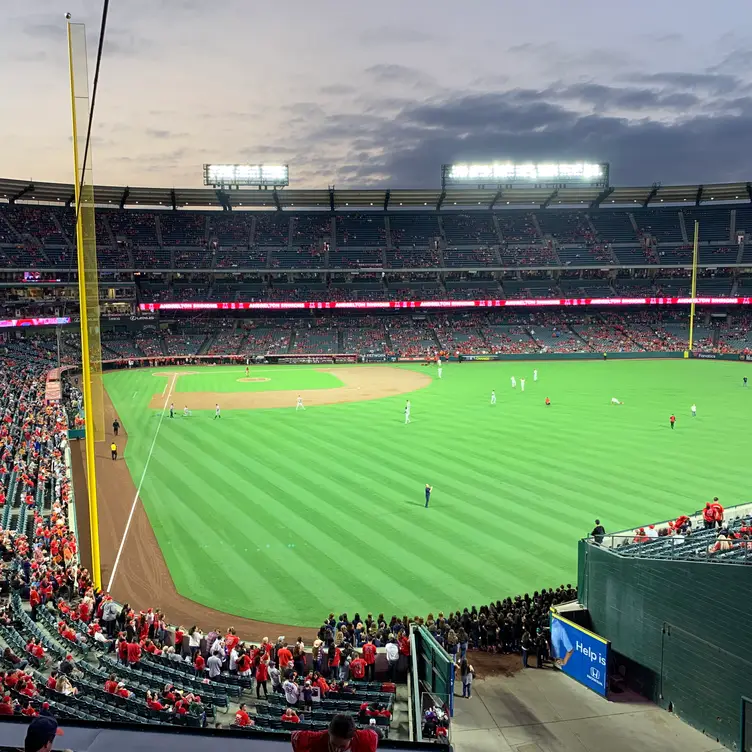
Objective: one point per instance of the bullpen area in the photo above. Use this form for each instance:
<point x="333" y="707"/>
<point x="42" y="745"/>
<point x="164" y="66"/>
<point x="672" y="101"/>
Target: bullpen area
<point x="274" y="513"/>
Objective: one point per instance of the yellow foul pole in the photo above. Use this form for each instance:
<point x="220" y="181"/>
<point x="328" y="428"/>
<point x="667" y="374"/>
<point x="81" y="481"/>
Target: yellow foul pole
<point x="91" y="476"/>
<point x="695" y="254"/>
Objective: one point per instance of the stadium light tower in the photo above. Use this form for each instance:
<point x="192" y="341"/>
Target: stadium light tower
<point x="234" y="176"/>
<point x="525" y="175"/>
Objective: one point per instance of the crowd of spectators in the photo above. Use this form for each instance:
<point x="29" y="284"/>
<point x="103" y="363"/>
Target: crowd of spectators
<point x="541" y="254"/>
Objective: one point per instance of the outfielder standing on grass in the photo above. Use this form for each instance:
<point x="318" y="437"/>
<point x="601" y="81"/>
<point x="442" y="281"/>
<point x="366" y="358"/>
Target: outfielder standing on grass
<point x="407" y="412"/>
<point x="172" y="409"/>
<point x="217" y="412"/>
<point x="299" y="405"/>
<point x="428" y="494"/>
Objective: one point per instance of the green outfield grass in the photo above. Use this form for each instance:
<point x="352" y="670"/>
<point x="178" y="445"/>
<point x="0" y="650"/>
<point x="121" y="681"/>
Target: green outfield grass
<point x="286" y="516"/>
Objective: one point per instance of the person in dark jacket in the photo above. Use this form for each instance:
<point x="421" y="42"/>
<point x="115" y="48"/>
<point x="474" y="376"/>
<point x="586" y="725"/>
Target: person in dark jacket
<point x="598" y="533"/>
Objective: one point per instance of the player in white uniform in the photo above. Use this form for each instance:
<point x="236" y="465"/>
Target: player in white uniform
<point x="615" y="401"/>
<point x="217" y="412"/>
<point x="493" y="397"/>
<point x="438" y="363"/>
<point x="299" y="404"/>
<point x="186" y="412"/>
<point x="522" y="384"/>
<point x="535" y="375"/>
<point x="694" y="410"/>
<point x="407" y="412"/>
<point x="514" y="382"/>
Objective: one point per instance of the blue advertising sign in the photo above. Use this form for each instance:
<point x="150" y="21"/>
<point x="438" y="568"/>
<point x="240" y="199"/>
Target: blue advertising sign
<point x="580" y="653"/>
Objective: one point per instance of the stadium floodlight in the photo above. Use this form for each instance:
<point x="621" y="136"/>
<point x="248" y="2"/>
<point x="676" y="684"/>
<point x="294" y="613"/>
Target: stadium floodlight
<point x="253" y="175"/>
<point x="541" y="174"/>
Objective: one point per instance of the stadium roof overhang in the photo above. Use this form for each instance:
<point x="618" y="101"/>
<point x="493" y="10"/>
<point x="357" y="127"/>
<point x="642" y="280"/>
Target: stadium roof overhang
<point x="25" y="191"/>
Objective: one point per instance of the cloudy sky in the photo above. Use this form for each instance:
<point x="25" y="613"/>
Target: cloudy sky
<point x="363" y="94"/>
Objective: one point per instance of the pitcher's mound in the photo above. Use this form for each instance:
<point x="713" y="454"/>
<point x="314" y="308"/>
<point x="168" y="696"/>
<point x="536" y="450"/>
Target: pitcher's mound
<point x="252" y="380"/>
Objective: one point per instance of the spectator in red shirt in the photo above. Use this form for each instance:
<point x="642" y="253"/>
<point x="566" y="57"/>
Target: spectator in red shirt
<point x="242" y="718"/>
<point x="111" y="684"/>
<point x="231" y="639"/>
<point x="290" y="716"/>
<point x="284" y="658"/>
<point x="341" y="736"/>
<point x="199" y="664"/>
<point x="133" y="652"/>
<point x="6" y="706"/>
<point x="34" y="600"/>
<point x="717" y="512"/>
<point x="357" y="668"/>
<point x="121" y="691"/>
<point x="262" y="677"/>
<point x="369" y="656"/>
<point x="153" y="701"/>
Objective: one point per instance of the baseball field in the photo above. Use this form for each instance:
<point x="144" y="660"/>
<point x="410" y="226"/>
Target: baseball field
<point x="283" y="515"/>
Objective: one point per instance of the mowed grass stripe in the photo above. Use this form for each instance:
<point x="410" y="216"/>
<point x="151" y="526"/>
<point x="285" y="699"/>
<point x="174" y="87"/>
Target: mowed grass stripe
<point x="338" y="490"/>
<point x="262" y="574"/>
<point x="335" y="524"/>
<point x="515" y="487"/>
<point x="274" y="502"/>
<point x="465" y="488"/>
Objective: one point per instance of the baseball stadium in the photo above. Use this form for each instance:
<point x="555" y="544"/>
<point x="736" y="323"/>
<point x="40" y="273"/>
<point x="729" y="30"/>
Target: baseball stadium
<point x="288" y="468"/>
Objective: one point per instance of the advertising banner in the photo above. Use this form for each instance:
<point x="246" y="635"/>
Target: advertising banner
<point x="49" y="321"/>
<point x="580" y="654"/>
<point x="133" y="320"/>
<point x="433" y="304"/>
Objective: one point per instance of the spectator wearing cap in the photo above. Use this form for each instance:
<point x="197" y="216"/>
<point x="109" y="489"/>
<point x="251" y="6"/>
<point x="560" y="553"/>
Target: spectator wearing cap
<point x="41" y="734"/>
<point x="6" y="705"/>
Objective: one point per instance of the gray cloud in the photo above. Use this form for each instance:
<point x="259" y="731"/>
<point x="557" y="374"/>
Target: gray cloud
<point x="409" y="148"/>
<point x="715" y="83"/>
<point x="160" y="133"/>
<point x="605" y="97"/>
<point x="393" y="73"/>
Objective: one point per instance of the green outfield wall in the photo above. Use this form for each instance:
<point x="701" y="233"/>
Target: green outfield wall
<point x="679" y="631"/>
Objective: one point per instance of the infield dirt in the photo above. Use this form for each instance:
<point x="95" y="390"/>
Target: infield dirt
<point x="360" y="383"/>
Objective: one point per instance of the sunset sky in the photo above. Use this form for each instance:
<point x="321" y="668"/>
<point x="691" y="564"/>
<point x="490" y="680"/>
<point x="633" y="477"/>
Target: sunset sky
<point x="381" y="94"/>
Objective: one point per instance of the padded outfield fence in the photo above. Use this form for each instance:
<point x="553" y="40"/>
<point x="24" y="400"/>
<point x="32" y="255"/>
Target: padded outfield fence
<point x="678" y="624"/>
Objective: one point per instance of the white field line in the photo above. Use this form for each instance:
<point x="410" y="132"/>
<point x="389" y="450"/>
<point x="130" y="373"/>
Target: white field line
<point x="140" y="484"/>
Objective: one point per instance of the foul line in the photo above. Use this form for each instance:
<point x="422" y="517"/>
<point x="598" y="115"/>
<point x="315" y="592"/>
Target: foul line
<point x="141" y="483"/>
